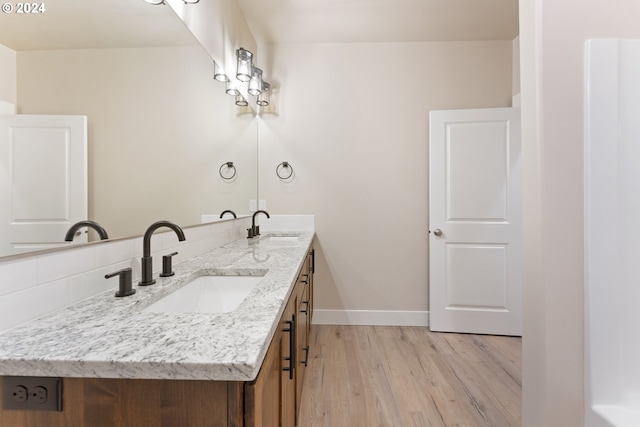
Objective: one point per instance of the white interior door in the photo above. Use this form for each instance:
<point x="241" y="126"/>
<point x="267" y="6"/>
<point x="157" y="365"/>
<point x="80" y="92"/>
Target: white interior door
<point x="43" y="181"/>
<point x="475" y="240"/>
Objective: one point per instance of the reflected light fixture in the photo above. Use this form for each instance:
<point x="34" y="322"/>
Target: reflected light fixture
<point x="265" y="96"/>
<point x="159" y="2"/>
<point x="255" y="84"/>
<point x="218" y="73"/>
<point x="240" y="101"/>
<point x="245" y="64"/>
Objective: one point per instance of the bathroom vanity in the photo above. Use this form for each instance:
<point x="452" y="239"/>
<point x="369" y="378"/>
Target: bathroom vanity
<point x="121" y="364"/>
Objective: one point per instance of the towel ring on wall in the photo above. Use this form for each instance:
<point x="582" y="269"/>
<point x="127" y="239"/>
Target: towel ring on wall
<point x="280" y="167"/>
<point x="229" y="165"/>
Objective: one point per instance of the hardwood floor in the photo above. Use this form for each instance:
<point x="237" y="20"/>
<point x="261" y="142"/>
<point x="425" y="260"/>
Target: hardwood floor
<point x="374" y="376"/>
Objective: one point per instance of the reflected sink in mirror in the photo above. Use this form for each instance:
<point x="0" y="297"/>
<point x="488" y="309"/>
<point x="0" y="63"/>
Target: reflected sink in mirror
<point x="281" y="237"/>
<point x="207" y="294"/>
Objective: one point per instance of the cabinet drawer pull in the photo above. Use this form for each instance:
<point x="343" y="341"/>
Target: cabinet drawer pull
<point x="306" y="307"/>
<point x="313" y="261"/>
<point x="306" y="356"/>
<point x="291" y="329"/>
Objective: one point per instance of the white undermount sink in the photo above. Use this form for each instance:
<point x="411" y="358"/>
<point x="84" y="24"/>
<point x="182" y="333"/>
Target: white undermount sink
<point x="207" y="294"/>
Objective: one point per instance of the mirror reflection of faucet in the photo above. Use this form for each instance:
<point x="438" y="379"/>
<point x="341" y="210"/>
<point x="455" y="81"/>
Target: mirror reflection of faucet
<point x="255" y="253"/>
<point x="147" y="260"/>
<point x="228" y="211"/>
<point x="91" y="224"/>
<point x="255" y="229"/>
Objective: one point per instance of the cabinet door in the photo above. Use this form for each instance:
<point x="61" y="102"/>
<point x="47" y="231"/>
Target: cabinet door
<point x="262" y="396"/>
<point x="288" y="365"/>
<point x="311" y="266"/>
<point x="302" y="336"/>
<point x="273" y="399"/>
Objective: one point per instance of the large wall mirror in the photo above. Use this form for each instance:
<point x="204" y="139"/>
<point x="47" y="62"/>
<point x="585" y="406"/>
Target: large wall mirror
<point x="159" y="126"/>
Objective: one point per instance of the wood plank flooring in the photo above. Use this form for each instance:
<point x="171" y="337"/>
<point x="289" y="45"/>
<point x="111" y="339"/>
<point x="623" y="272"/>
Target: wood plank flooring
<point x="374" y="376"/>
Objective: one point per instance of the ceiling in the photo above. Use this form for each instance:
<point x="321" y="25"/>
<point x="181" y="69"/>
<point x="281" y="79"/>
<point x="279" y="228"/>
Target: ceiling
<point x="78" y="24"/>
<point x="338" y="21"/>
<point x="84" y="24"/>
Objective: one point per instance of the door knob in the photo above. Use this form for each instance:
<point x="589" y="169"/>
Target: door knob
<point x="437" y="232"/>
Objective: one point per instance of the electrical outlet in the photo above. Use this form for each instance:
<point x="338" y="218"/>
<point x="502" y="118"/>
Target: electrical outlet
<point x="19" y="394"/>
<point x="32" y="393"/>
<point x="39" y="395"/>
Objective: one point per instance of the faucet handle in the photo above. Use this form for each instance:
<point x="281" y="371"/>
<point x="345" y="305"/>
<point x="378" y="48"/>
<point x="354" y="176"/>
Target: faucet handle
<point x="250" y="233"/>
<point x="167" y="270"/>
<point x="125" y="287"/>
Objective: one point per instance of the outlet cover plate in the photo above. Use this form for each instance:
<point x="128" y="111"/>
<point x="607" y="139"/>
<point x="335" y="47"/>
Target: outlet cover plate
<point x="35" y="400"/>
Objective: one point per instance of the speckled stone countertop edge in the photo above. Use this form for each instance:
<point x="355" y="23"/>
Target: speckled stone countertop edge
<point x="108" y="337"/>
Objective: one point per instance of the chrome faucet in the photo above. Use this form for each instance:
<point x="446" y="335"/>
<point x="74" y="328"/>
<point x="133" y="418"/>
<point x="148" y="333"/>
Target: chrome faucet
<point x="91" y="224"/>
<point x="228" y="211"/>
<point x="147" y="260"/>
<point x="255" y="229"/>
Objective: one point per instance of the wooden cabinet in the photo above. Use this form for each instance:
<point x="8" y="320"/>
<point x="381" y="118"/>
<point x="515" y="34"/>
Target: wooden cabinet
<point x="103" y="402"/>
<point x="262" y="396"/>
<point x="282" y="373"/>
<point x="303" y="326"/>
<point x="271" y="400"/>
<point x="289" y="371"/>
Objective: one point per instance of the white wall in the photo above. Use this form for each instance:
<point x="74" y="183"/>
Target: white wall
<point x="159" y="129"/>
<point x="552" y="34"/>
<point x="7" y="75"/>
<point x="354" y="126"/>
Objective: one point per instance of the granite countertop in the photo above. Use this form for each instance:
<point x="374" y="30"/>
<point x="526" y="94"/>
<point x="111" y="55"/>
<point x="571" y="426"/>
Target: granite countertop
<point x="108" y="337"/>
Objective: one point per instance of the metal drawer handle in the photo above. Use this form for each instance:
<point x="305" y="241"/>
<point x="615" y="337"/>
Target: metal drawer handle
<point x="306" y="357"/>
<point x="291" y="329"/>
<point x="306" y="308"/>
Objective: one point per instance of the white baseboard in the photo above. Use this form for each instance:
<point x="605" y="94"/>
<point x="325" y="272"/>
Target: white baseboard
<point x="7" y="108"/>
<point x="370" y="317"/>
<point x="515" y="100"/>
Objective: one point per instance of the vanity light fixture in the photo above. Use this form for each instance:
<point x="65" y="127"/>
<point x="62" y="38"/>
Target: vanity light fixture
<point x="218" y="73"/>
<point x="265" y="96"/>
<point x="240" y="101"/>
<point x="232" y="89"/>
<point x="255" y="84"/>
<point x="245" y="64"/>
